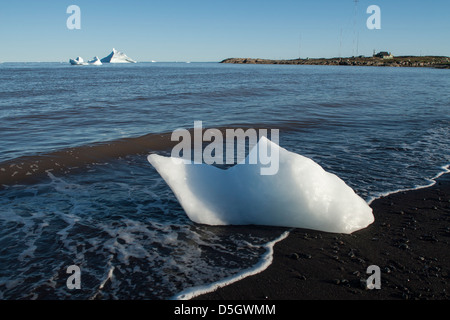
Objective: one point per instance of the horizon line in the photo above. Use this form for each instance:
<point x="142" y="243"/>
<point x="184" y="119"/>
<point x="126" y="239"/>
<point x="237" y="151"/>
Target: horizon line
<point x="212" y="61"/>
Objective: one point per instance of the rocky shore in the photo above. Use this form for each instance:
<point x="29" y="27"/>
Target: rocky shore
<point x="403" y="61"/>
<point x="409" y="241"/>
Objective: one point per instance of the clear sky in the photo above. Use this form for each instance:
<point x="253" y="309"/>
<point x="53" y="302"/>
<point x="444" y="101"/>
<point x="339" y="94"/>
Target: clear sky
<point x="210" y="30"/>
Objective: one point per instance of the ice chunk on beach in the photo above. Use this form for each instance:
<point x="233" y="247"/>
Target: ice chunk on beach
<point x="117" y="57"/>
<point x="301" y="194"/>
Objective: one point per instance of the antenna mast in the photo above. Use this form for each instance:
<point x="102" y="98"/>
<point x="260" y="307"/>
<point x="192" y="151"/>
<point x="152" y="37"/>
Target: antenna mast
<point x="300" y="46"/>
<point x="356" y="39"/>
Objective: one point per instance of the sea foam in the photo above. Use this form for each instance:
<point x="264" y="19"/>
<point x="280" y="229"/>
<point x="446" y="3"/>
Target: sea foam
<point x="301" y="194"/>
<point x="265" y="261"/>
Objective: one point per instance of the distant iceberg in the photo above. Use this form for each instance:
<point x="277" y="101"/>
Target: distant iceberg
<point x="117" y="57"/>
<point x="95" y="62"/>
<point x="80" y="62"/>
<point x="77" y="62"/>
<point x="114" y="57"/>
<point x="302" y="194"/>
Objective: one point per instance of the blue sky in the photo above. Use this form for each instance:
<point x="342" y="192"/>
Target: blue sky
<point x="201" y="30"/>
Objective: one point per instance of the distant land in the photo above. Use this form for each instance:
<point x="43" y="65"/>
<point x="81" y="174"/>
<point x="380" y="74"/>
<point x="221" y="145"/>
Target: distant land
<point x="400" y="61"/>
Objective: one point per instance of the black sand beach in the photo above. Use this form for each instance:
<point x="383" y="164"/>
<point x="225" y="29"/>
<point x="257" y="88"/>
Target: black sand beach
<point x="409" y="241"/>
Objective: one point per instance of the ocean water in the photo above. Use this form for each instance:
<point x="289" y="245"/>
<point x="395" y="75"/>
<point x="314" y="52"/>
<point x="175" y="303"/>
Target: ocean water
<point x="106" y="210"/>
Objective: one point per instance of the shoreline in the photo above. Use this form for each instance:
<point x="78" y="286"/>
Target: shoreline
<point x="264" y="263"/>
<point x="408" y="241"/>
<point x="433" y="181"/>
<point x="438" y="62"/>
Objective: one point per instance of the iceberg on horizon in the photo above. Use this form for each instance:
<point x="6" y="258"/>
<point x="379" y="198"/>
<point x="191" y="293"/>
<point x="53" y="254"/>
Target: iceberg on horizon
<point x="78" y="61"/>
<point x="95" y="62"/>
<point x="117" y="57"/>
<point x="301" y="195"/>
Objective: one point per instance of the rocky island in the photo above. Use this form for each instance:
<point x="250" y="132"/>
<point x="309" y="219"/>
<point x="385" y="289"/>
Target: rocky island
<point x="400" y="61"/>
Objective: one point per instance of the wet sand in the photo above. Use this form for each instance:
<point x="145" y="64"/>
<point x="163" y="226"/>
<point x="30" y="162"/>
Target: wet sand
<point x="409" y="241"/>
<point x="31" y="169"/>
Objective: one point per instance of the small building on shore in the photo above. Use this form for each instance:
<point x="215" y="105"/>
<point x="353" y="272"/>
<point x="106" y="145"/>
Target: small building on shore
<point x="383" y="55"/>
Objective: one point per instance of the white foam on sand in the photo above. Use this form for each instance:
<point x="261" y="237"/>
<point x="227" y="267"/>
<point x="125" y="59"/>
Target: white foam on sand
<point x="432" y="182"/>
<point x="265" y="261"/>
<point x="300" y="195"/>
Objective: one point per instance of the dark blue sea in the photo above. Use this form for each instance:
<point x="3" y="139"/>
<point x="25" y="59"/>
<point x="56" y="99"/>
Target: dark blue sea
<point x="380" y="129"/>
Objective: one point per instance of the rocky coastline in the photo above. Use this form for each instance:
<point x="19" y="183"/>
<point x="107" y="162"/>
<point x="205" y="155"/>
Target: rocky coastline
<point x="401" y="61"/>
